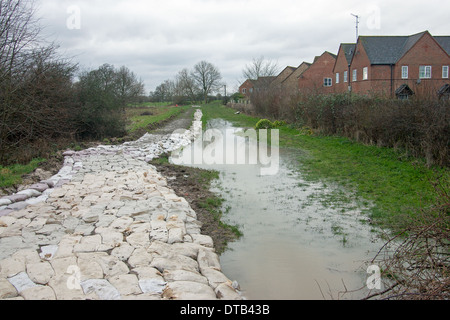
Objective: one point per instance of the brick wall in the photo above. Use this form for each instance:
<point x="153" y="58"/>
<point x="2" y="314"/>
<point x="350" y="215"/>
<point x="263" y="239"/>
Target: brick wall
<point x="290" y="84"/>
<point x="385" y="79"/>
<point x="426" y="52"/>
<point x="312" y="80"/>
<point x="245" y="89"/>
<point x="340" y="67"/>
<point x="281" y="77"/>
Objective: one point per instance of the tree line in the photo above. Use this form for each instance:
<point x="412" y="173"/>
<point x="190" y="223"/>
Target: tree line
<point x="205" y="79"/>
<point x="191" y="86"/>
<point x="45" y="98"/>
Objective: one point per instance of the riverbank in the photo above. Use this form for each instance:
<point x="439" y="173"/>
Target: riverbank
<point x="395" y="187"/>
<point x="194" y="185"/>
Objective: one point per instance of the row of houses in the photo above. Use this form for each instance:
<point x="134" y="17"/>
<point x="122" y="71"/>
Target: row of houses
<point x="394" y="66"/>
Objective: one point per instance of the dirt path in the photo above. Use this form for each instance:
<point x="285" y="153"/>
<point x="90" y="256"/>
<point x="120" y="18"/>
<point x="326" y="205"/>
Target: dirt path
<point x="183" y="121"/>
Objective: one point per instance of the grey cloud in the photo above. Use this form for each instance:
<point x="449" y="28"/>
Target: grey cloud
<point x="157" y="38"/>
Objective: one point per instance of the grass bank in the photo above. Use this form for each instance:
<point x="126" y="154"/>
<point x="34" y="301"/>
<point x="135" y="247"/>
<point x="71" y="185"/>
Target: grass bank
<point x="11" y="175"/>
<point x="398" y="186"/>
<point x="146" y="117"/>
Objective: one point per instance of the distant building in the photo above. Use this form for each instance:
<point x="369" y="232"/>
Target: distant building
<point x="251" y="86"/>
<point x="396" y="66"/>
<point x="277" y="82"/>
<point x="290" y="84"/>
<point x="342" y="68"/>
<point x="393" y="66"/>
<point x="246" y="89"/>
<point x="318" y="78"/>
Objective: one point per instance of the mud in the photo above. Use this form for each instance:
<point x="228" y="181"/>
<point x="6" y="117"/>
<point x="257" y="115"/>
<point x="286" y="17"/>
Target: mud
<point x="191" y="184"/>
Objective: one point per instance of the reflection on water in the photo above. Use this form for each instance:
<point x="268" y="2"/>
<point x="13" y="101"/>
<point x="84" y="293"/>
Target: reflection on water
<point x="296" y="245"/>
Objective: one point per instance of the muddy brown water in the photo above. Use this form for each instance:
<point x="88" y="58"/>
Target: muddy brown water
<point x="300" y="240"/>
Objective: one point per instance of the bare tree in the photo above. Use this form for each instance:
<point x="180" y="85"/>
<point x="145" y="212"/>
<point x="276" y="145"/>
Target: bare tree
<point x="19" y="32"/>
<point x="186" y="85"/>
<point x="260" y="67"/>
<point x="129" y="88"/>
<point x="207" y="77"/>
<point x="165" y="91"/>
<point x="35" y="84"/>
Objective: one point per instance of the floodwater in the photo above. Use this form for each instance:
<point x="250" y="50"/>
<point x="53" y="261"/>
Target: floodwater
<point x="301" y="240"/>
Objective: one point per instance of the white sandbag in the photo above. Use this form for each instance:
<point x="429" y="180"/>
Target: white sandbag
<point x="30" y="193"/>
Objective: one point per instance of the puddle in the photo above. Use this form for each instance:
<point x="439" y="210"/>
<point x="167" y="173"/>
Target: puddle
<point x="300" y="242"/>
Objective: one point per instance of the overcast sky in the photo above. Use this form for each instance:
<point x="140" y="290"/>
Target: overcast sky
<point x="156" y="39"/>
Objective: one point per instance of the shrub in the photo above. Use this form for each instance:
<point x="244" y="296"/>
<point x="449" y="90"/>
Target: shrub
<point x="264" y="124"/>
<point x="278" y="124"/>
<point x="306" y="131"/>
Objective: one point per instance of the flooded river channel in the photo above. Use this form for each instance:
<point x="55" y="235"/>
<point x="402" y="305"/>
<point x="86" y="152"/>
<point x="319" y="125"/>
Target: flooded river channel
<point x="300" y="240"/>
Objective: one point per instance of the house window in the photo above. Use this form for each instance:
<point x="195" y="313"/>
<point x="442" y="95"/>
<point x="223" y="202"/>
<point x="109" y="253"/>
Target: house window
<point x="244" y="90"/>
<point x="355" y="75"/>
<point x="327" y="82"/>
<point x="405" y="72"/>
<point x="251" y="90"/>
<point x="365" y="73"/>
<point x="425" y="72"/>
<point x="445" y="72"/>
<point x="337" y="78"/>
<point x="345" y="76"/>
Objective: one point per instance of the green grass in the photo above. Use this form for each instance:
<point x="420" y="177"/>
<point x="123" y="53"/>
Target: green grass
<point x="150" y="104"/>
<point x="396" y="185"/>
<point x="12" y="175"/>
<point x="216" y="110"/>
<point x="138" y="120"/>
<point x="214" y="205"/>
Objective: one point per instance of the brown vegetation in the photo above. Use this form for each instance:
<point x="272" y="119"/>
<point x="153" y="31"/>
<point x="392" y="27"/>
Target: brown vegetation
<point x="416" y="267"/>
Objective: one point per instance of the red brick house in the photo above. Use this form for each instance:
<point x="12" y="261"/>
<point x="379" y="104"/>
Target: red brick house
<point x="246" y="89"/>
<point x="341" y="68"/>
<point x="250" y="86"/>
<point x="290" y="84"/>
<point x="396" y="65"/>
<point x="318" y="78"/>
<point x="276" y="83"/>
